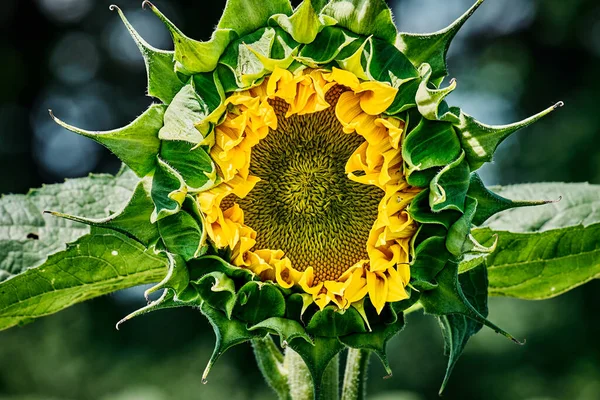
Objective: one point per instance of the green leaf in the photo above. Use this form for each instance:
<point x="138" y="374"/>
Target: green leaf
<point x="432" y="48"/>
<point x="544" y="264"/>
<point x="448" y="298"/>
<point x="192" y="55"/>
<point x="185" y="111"/>
<point x="305" y="23"/>
<point x="387" y="64"/>
<point x="207" y="264"/>
<point x="448" y="189"/>
<point x="330" y="322"/>
<point x="258" y="301"/>
<point x="27" y="236"/>
<point x="246" y="16"/>
<point x="136" y="144"/>
<point x="192" y="163"/>
<point x="94" y="265"/>
<point x="457" y="329"/>
<point x="133" y="220"/>
<point x="490" y="203"/>
<point x="287" y="329"/>
<point x="460" y="240"/>
<point x="480" y="141"/>
<point x="364" y="17"/>
<point x="228" y="332"/>
<point x="163" y="82"/>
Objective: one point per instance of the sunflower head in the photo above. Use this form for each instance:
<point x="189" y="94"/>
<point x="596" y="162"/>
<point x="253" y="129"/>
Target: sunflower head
<point x="306" y="178"/>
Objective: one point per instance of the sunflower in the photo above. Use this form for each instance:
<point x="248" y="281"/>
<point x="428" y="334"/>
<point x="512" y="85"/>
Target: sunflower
<point x="305" y="177"/>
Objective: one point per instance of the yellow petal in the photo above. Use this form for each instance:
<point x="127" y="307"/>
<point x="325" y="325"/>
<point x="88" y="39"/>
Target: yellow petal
<point x="376" y="97"/>
<point x="377" y="284"/>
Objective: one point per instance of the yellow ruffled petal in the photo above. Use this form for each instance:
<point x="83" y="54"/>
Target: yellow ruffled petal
<point x="396" y="286"/>
<point x="344" y="78"/>
<point x="376" y="97"/>
<point x="377" y="284"/>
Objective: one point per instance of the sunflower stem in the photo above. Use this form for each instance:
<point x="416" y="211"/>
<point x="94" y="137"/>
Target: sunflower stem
<point x="355" y="376"/>
<point x="299" y="379"/>
<point x="330" y="385"/>
<point x="270" y="362"/>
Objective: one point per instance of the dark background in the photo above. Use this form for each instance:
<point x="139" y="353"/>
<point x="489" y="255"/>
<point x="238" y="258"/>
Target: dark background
<point x="513" y="58"/>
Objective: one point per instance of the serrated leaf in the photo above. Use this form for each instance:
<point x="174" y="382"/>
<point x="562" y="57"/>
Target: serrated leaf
<point x="185" y="111"/>
<point x="330" y="322"/>
<point x="136" y="144"/>
<point x="432" y="48"/>
<point x="480" y="141"/>
<point x="246" y="16"/>
<point x="228" y="332"/>
<point x="457" y="329"/>
<point x="194" y="56"/>
<point x="133" y="220"/>
<point x="27" y="236"/>
<point x="163" y="82"/>
<point x="448" y="189"/>
<point x="94" y="265"/>
<point x="541" y="265"/>
<point x="448" y="298"/>
<point x="490" y="203"/>
<point x="287" y="329"/>
<point x="365" y="17"/>
<point x="258" y="301"/>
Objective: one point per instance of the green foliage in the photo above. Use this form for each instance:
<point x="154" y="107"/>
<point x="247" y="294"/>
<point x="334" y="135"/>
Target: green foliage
<point x="96" y="264"/>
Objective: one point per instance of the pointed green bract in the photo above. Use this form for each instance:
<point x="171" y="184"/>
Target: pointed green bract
<point x="287" y="329"/>
<point x="182" y="235"/>
<point x="193" y="164"/>
<point x="195" y="56"/>
<point x="449" y="187"/>
<point x="448" y="298"/>
<point x="328" y="45"/>
<point x="333" y="323"/>
<point x="489" y="203"/>
<point x="258" y="301"/>
<point x="185" y="111"/>
<point x="136" y="144"/>
<point x="365" y="17"/>
<point x="432" y="48"/>
<point x="246" y="16"/>
<point x="317" y="356"/>
<point x="218" y="290"/>
<point x="163" y="82"/>
<point x="305" y="23"/>
<point x="133" y="220"/>
<point x="168" y="191"/>
<point x="480" y="141"/>
<point x="457" y="329"/>
<point x="429" y="99"/>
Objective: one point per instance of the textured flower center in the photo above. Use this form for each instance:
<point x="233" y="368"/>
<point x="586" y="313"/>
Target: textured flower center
<point x="304" y="203"/>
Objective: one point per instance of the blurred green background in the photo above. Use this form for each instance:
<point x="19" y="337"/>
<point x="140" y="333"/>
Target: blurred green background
<point x="512" y="59"/>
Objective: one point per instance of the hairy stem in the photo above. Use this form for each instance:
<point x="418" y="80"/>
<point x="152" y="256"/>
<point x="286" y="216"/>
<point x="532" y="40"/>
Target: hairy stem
<point x="355" y="376"/>
<point x="330" y="386"/>
<point x="271" y="364"/>
<point x="299" y="379"/>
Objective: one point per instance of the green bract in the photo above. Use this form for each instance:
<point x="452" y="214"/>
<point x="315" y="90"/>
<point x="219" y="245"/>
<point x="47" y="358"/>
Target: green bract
<point x="160" y="233"/>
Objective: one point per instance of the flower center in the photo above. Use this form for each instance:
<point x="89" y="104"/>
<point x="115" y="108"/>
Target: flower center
<point x="304" y="203"/>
